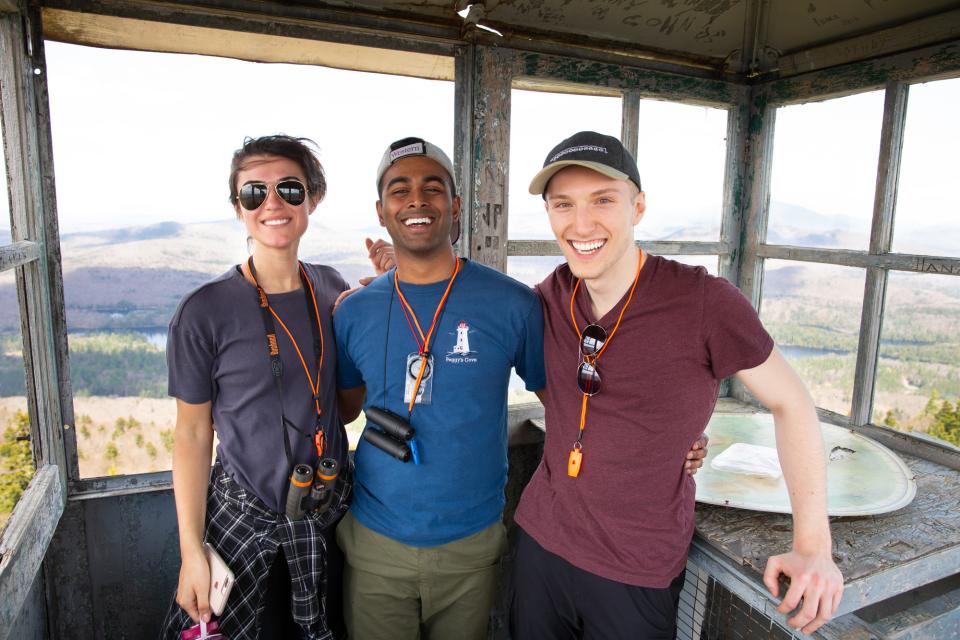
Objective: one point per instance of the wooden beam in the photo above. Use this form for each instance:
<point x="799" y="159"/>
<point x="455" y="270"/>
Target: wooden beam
<point x="881" y="237"/>
<point x="926" y="31"/>
<point x="493" y="71"/>
<point x="734" y="181"/>
<point x="658" y="247"/>
<point x="757" y="160"/>
<point x="850" y="258"/>
<point x="128" y="33"/>
<point x="868" y="590"/>
<point x="347" y="26"/>
<point x="568" y="71"/>
<point x="520" y="428"/>
<point x="352" y="25"/>
<point x="18" y="254"/>
<point x="630" y="121"/>
<point x="552" y="85"/>
<point x="929" y="63"/>
<point x="32" y="216"/>
<point x="25" y="541"/>
<point x="48" y="227"/>
<point x="463" y="160"/>
<point x="106" y="486"/>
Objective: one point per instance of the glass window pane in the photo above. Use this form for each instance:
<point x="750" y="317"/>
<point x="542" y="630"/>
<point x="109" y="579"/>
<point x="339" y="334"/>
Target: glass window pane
<point x="927" y="196"/>
<point x="16" y="458"/>
<point x="710" y="263"/>
<point x="538" y="122"/>
<point x="813" y="313"/>
<point x="142" y="143"/>
<point x="825" y="172"/>
<point x="532" y="270"/>
<point x="918" y="375"/>
<point x="681" y="156"/>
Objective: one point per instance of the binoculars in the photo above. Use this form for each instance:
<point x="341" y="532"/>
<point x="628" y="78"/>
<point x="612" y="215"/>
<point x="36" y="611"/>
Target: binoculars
<point x="311" y="491"/>
<point x="391" y="434"/>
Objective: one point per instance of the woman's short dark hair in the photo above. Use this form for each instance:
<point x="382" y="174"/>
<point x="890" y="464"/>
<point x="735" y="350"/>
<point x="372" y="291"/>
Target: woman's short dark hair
<point x="300" y="150"/>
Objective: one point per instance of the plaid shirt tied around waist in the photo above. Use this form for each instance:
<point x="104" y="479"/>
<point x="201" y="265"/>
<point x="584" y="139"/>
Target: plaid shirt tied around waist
<point x="247" y="534"/>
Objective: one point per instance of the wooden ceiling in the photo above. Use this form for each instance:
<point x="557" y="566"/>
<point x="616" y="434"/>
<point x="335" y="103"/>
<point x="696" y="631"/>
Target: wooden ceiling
<point x="741" y="37"/>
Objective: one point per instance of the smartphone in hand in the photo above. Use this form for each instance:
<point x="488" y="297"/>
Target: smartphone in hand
<point x="221" y="579"/>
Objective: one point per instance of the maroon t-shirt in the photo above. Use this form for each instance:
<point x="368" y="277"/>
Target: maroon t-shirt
<point x="629" y="515"/>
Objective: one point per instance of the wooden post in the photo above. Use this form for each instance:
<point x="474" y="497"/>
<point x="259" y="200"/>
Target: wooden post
<point x="491" y="140"/>
<point x="630" y="121"/>
<point x="757" y="162"/>
<point x="463" y="141"/>
<point x="734" y="188"/>
<point x="30" y="179"/>
<point x="881" y="237"/>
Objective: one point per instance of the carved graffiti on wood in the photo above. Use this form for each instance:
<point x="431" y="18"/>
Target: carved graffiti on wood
<point x="933" y="265"/>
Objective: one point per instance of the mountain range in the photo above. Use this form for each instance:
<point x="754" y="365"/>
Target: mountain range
<point x="134" y="276"/>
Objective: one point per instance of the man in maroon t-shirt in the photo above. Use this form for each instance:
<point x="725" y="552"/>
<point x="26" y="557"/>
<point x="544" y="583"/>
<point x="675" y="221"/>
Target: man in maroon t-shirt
<point x="635" y="347"/>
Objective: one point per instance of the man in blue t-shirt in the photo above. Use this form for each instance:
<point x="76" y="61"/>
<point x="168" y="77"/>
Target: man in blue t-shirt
<point x="431" y="342"/>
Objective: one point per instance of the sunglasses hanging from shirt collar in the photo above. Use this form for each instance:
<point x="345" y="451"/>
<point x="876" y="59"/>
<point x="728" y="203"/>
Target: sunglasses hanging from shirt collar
<point x="253" y="194"/>
<point x="593" y="342"/>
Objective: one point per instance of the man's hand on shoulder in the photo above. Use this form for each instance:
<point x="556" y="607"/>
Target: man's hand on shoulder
<point x="816" y="587"/>
<point x="381" y="256"/>
<point x="696" y="455"/>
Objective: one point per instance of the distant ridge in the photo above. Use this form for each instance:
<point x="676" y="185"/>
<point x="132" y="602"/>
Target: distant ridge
<point x="130" y="234"/>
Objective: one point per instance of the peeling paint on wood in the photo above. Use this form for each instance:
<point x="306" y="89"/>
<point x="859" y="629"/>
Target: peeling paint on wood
<point x="25" y="540"/>
<point x="879" y="556"/>
<point x="928" y="63"/>
<point x="17" y="254"/>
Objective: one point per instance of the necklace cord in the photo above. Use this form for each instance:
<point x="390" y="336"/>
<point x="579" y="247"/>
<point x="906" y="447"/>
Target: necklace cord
<point x="592" y="360"/>
<point x="276" y="365"/>
<point x="423" y="342"/>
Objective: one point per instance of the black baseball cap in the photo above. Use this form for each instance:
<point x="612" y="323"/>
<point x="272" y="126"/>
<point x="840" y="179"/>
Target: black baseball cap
<point x="604" y="154"/>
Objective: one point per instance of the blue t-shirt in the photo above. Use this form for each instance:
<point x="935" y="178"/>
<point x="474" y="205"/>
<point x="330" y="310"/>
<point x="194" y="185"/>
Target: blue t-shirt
<point x="489" y="324"/>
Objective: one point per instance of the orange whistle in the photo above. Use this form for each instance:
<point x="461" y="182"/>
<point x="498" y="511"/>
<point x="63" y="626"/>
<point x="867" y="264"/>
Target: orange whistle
<point x="318" y="441"/>
<point x="573" y="463"/>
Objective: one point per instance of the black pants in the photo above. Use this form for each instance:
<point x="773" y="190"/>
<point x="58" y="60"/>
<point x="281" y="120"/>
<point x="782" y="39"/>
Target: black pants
<point x="277" y="621"/>
<point x="554" y="600"/>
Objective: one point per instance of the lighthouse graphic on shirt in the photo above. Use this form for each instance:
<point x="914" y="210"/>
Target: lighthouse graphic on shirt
<point x="461" y="347"/>
<point x="463" y="338"/>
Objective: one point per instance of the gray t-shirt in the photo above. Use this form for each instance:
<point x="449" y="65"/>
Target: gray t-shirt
<point x="217" y="352"/>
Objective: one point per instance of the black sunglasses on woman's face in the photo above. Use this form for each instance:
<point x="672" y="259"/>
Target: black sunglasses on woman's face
<point x="253" y="194"/>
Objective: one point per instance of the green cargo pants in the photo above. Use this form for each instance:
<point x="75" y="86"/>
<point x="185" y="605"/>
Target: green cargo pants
<point x="392" y="591"/>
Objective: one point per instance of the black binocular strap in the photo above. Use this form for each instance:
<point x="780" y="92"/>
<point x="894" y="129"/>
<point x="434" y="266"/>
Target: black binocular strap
<point x="273" y="349"/>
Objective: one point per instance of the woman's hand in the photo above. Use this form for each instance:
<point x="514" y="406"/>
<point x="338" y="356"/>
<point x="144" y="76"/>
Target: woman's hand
<point x="193" y="589"/>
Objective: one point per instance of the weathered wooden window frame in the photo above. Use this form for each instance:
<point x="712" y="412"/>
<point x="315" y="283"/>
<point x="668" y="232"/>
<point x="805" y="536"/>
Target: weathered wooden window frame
<point x="495" y="72"/>
<point x="304" y="43"/>
<point x="484" y="77"/>
<point x="36" y="261"/>
<point x="499" y="71"/>
<point x="893" y="75"/>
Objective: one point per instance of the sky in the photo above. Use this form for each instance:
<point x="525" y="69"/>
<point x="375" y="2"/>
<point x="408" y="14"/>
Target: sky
<point x="142" y="137"/>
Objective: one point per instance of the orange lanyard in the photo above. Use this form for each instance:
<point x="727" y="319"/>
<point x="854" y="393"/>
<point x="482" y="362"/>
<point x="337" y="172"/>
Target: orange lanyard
<point x="576" y="455"/>
<point x="423" y="341"/>
<point x="264" y="302"/>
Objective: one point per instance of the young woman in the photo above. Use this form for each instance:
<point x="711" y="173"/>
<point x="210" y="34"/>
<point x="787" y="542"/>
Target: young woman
<point x="251" y="357"/>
